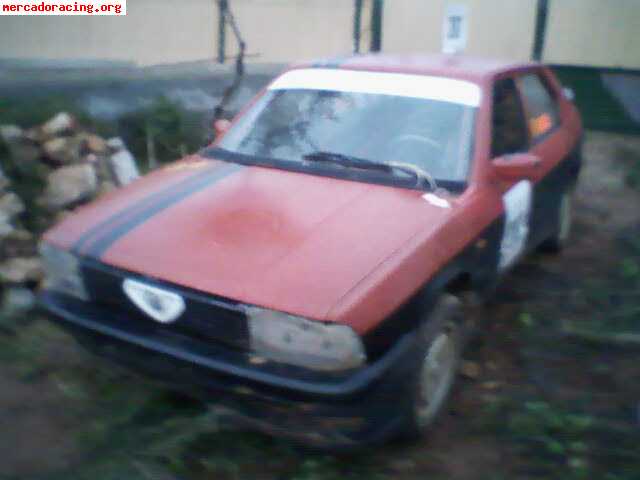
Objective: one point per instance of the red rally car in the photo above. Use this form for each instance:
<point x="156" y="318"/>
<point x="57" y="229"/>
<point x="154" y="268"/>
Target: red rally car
<point x="306" y="270"/>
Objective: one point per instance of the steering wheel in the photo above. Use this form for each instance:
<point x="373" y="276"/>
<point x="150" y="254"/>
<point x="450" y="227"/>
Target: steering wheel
<point x="415" y="138"/>
<point x="399" y="148"/>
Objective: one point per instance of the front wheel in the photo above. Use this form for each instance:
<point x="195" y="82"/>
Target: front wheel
<point x="441" y="340"/>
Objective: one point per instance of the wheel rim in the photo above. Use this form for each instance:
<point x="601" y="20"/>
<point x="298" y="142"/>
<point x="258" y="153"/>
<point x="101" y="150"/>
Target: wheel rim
<point x="565" y="219"/>
<point x="436" y="378"/>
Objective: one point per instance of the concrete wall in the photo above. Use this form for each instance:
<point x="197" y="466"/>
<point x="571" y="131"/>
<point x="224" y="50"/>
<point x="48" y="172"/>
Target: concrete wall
<point x="170" y="31"/>
<point x="580" y="32"/>
<point x="293" y="30"/>
<point x="153" y="32"/>
<point x="593" y="32"/>
<point x="497" y="28"/>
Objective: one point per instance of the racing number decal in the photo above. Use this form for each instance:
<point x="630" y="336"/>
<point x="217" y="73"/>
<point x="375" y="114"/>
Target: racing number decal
<point x="517" y="207"/>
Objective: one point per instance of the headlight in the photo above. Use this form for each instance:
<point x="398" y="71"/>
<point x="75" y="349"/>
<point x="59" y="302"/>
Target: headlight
<point x="62" y="272"/>
<point x="298" y="341"/>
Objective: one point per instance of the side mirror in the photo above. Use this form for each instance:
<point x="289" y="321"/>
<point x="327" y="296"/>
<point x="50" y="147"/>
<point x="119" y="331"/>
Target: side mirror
<point x="516" y="166"/>
<point x="221" y="126"/>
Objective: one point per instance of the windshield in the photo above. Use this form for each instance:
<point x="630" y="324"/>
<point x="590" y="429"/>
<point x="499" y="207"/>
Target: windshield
<point x="291" y="124"/>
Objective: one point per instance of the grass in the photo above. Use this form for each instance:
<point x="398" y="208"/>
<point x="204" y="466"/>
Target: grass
<point x="558" y="442"/>
<point x="577" y="419"/>
<point x="631" y="162"/>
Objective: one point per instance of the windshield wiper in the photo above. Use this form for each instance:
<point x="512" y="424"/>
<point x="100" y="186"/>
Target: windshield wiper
<point x="355" y="162"/>
<point x="346" y="161"/>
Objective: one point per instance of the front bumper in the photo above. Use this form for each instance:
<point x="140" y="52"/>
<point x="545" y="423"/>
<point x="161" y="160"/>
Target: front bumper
<point x="322" y="409"/>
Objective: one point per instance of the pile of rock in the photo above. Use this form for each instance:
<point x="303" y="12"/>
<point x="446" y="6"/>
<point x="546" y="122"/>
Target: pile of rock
<point x="19" y="268"/>
<point x="69" y="167"/>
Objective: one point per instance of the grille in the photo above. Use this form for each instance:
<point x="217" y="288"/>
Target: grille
<point x="206" y="317"/>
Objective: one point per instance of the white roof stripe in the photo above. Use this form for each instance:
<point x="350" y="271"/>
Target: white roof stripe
<point x="383" y="83"/>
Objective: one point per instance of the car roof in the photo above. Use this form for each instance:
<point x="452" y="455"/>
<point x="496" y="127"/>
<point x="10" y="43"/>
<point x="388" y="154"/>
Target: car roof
<point x="474" y="69"/>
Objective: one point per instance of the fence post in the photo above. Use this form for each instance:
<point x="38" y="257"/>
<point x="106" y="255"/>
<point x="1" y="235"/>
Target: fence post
<point x="357" y="25"/>
<point x="222" y="29"/>
<point x="540" y="29"/>
<point x="376" y="25"/>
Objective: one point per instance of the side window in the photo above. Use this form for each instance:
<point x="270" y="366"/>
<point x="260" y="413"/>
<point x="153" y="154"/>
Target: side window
<point x="542" y="111"/>
<point x="509" y="128"/>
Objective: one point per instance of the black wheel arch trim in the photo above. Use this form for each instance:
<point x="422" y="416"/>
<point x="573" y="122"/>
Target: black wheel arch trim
<point x="477" y="264"/>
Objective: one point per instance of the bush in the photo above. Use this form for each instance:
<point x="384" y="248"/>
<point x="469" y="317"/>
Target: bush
<point x="163" y="131"/>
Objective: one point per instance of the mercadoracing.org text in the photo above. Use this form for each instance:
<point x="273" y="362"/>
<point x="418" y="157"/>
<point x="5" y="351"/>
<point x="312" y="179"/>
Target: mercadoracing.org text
<point x="63" y="7"/>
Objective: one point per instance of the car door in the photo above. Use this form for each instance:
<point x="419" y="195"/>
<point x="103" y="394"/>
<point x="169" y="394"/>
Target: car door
<point x="547" y="140"/>
<point x="509" y="137"/>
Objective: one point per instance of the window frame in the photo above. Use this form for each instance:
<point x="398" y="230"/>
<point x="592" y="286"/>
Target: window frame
<point x="553" y="95"/>
<point x="513" y="76"/>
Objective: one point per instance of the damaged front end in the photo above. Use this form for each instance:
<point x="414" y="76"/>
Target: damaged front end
<point x="281" y="374"/>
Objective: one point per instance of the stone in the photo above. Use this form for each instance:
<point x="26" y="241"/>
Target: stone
<point x="11" y="133"/>
<point x="116" y="144"/>
<point x="492" y="385"/>
<point x="123" y="167"/>
<point x="95" y="144"/>
<point x="54" y="149"/>
<point x="20" y="270"/>
<point x="19" y="243"/>
<point x="67" y="186"/>
<point x="22" y="235"/>
<point x="24" y="156"/>
<point x="91" y="158"/>
<point x="470" y="370"/>
<point x="4" y="181"/>
<point x="102" y="165"/>
<point x="61" y="215"/>
<point x="11" y="205"/>
<point x="22" y="151"/>
<point x="61" y="123"/>
<point x="106" y="187"/>
<point x="6" y="228"/>
<point x="35" y="135"/>
<point x="64" y="150"/>
<point x="18" y="300"/>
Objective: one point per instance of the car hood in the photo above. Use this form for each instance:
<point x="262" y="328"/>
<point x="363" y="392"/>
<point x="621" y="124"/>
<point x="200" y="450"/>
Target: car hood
<point x="289" y="241"/>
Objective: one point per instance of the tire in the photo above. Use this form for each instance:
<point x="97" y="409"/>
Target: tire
<point x="560" y="238"/>
<point x="440" y="353"/>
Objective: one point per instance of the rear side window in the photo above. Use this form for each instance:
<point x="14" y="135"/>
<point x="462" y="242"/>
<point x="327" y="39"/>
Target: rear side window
<point x="541" y="108"/>
<point x="508" y="123"/>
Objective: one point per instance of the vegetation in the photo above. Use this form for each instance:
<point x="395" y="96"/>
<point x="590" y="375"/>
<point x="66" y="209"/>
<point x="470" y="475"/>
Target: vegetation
<point x="631" y="160"/>
<point x="162" y="132"/>
<point x="163" y="129"/>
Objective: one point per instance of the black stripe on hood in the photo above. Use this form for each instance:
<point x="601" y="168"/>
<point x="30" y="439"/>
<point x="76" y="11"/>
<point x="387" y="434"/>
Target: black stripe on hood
<point x="104" y="237"/>
<point x="102" y="227"/>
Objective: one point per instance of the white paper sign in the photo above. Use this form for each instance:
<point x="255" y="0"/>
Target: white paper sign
<point x="455" y="28"/>
<point x="517" y="205"/>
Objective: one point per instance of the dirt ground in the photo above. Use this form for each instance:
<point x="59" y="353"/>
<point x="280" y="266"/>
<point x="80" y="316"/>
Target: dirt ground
<point x="64" y="414"/>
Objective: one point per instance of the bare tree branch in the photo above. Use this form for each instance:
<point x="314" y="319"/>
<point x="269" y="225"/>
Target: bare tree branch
<point x="225" y="10"/>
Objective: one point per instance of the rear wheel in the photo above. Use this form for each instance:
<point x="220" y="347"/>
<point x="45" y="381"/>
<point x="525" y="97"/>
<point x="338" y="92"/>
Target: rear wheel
<point x="440" y="353"/>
